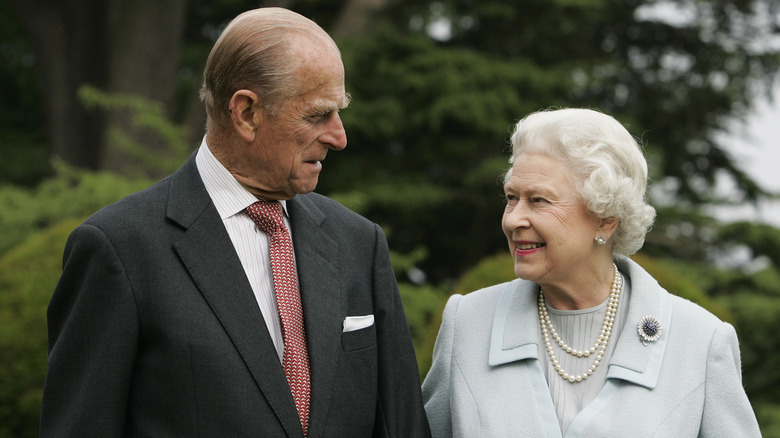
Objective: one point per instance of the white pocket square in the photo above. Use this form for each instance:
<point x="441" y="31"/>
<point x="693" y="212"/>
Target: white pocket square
<point x="352" y="323"/>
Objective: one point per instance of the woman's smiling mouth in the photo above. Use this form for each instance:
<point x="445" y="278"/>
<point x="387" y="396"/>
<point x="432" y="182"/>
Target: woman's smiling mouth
<point x="528" y="245"/>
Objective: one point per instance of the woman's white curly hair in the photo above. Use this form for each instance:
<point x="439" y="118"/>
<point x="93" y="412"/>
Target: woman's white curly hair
<point x="606" y="161"/>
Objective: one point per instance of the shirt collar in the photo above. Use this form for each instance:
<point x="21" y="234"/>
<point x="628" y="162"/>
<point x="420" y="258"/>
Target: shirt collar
<point x="228" y="195"/>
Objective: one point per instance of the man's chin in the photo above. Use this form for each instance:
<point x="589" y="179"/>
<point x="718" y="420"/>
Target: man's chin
<point x="304" y="185"/>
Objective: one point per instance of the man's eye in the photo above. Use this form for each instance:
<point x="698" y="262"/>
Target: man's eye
<point x="319" y="117"/>
<point x="538" y="199"/>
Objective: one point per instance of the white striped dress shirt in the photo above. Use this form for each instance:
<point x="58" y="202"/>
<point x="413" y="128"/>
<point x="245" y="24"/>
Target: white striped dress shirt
<point x="251" y="243"/>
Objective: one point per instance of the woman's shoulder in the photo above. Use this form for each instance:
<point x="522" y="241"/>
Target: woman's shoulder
<point x="487" y="296"/>
<point x="481" y="304"/>
<point x="682" y="308"/>
<point x="697" y="322"/>
<point x="685" y="308"/>
<point x="696" y="328"/>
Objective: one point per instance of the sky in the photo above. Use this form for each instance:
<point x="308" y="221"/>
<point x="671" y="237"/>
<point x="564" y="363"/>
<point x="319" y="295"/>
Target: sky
<point x="755" y="145"/>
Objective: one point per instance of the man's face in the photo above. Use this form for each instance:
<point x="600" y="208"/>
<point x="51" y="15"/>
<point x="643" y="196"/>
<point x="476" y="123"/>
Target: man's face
<point x="287" y="153"/>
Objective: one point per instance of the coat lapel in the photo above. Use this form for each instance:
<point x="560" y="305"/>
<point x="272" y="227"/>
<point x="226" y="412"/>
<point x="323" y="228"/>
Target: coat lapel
<point x="513" y="336"/>
<point x="633" y="361"/>
<point x="322" y="295"/>
<point x="208" y="254"/>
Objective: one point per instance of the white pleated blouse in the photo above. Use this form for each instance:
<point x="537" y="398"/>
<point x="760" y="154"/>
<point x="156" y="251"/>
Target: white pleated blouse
<point x="579" y="329"/>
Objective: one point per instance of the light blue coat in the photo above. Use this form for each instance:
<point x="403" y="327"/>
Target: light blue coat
<point x="486" y="380"/>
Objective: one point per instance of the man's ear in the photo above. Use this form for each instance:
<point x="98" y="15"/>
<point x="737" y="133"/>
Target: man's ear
<point x="244" y="107"/>
<point x="608" y="226"/>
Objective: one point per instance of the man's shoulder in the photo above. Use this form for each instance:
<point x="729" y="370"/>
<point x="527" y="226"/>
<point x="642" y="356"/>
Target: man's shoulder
<point x="151" y="203"/>
<point x="141" y="205"/>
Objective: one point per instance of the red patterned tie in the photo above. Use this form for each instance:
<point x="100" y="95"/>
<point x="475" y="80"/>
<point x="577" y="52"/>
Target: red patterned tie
<point x="268" y="216"/>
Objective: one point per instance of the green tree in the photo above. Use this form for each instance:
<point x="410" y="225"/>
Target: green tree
<point x="23" y="152"/>
<point x="36" y="223"/>
<point x="430" y="116"/>
<point x="28" y="274"/>
<point x="436" y="86"/>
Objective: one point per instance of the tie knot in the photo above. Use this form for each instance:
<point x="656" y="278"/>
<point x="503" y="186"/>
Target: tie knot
<point x="267" y="215"/>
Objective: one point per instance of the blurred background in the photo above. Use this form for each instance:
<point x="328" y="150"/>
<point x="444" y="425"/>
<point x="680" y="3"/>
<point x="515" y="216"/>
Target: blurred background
<point x="99" y="98"/>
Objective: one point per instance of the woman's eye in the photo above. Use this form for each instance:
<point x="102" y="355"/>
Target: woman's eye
<point x="538" y="199"/>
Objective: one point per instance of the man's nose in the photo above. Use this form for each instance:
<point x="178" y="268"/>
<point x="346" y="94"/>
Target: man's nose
<point x="335" y="137"/>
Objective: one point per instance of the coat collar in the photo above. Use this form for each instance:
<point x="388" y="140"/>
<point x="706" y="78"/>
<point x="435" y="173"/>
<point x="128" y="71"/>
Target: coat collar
<point x="515" y="332"/>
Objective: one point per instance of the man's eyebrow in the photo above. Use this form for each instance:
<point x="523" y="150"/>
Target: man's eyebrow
<point x="346" y="101"/>
<point x="325" y="107"/>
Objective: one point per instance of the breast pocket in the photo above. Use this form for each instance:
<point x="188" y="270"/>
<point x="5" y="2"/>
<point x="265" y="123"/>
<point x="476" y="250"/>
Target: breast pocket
<point x="359" y="339"/>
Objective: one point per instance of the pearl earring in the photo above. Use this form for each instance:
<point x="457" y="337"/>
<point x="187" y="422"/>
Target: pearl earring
<point x="601" y="240"/>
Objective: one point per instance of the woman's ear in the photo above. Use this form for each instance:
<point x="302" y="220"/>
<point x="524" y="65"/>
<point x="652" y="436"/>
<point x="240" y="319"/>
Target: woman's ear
<point x="244" y="107"/>
<point x="607" y="227"/>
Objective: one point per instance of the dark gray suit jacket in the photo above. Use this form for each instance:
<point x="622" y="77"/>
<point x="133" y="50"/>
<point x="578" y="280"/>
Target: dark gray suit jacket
<point x="154" y="329"/>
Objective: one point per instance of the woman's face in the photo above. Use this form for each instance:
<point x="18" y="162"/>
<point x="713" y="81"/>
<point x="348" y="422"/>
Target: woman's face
<point x="550" y="231"/>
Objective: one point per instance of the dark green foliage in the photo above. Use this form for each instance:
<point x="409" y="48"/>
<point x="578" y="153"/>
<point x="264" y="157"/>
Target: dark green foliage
<point x="71" y="194"/>
<point x="36" y="223"/>
<point x="680" y="280"/>
<point x="423" y="305"/>
<point x="435" y="114"/>
<point x="145" y="114"/>
<point x="427" y="141"/>
<point x="23" y="151"/>
<point x="28" y="274"/>
<point x="769" y="418"/>
<point x="763" y="240"/>
<point x="675" y="79"/>
<point x="757" y="323"/>
<point x="492" y="270"/>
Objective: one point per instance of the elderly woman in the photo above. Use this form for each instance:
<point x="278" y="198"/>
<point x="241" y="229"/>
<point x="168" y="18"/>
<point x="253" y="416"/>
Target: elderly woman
<point x="585" y="343"/>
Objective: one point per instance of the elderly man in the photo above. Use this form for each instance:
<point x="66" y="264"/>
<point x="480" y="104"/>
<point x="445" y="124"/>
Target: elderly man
<point x="228" y="300"/>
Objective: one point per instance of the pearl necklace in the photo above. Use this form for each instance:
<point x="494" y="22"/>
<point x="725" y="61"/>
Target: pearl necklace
<point x="601" y="343"/>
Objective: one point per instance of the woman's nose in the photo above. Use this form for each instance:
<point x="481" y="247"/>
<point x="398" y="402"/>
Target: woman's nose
<point x="516" y="217"/>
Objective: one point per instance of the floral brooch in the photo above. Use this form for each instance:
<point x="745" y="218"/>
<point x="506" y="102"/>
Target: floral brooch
<point x="650" y="329"/>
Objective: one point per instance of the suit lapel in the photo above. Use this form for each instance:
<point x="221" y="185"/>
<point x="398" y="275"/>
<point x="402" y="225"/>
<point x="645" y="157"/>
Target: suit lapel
<point x="208" y="254"/>
<point x="322" y="295"/>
